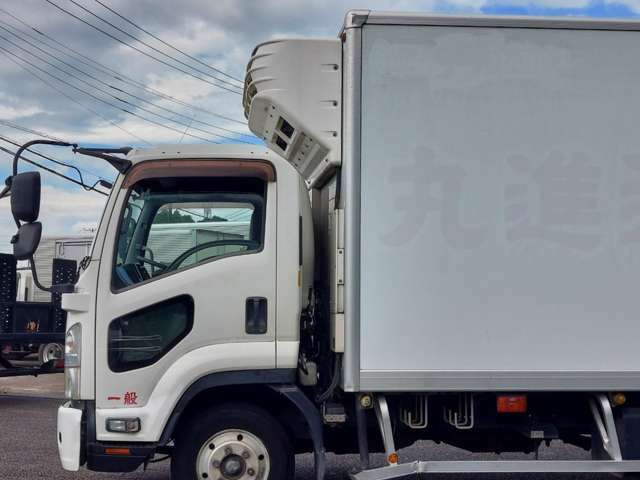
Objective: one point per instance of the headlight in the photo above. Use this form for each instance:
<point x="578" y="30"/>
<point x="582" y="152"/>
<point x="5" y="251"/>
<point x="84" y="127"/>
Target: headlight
<point x="72" y="359"/>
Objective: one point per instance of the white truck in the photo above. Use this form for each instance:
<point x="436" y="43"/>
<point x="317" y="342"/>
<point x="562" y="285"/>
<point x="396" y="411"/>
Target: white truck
<point x="441" y="242"/>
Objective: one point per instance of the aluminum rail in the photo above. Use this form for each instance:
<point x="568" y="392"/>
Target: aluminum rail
<point x="605" y="432"/>
<point x="499" y="466"/>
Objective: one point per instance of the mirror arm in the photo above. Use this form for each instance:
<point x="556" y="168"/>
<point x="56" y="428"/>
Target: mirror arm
<point x="60" y="288"/>
<point x="24" y="147"/>
<point x="120" y="164"/>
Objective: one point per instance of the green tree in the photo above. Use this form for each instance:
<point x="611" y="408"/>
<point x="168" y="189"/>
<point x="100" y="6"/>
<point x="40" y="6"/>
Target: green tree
<point x="172" y="216"/>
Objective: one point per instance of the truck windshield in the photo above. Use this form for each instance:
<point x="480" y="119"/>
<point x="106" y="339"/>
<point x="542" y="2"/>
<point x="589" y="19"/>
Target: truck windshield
<point x="169" y="224"/>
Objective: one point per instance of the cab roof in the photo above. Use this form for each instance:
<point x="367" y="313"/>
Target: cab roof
<point x="211" y="151"/>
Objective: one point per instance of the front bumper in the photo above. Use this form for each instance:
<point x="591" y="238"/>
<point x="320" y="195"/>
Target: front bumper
<point x="70" y="436"/>
<point x="77" y="443"/>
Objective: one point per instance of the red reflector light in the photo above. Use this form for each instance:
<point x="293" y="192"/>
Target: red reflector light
<point x="117" y="451"/>
<point x="512" y="403"/>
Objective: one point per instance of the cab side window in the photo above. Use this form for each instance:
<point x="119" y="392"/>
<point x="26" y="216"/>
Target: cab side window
<point x="142" y="337"/>
<point x="169" y="224"/>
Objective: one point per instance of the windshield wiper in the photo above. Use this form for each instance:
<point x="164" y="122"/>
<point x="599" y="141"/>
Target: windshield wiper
<point x="120" y="164"/>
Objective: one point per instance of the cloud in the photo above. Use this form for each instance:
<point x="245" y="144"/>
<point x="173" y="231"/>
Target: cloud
<point x="585" y="8"/>
<point x="634" y="5"/>
<point x="12" y="113"/>
<point x="539" y="3"/>
<point x="221" y="33"/>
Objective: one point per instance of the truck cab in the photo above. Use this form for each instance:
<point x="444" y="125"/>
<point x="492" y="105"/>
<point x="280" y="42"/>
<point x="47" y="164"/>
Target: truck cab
<point x="200" y="269"/>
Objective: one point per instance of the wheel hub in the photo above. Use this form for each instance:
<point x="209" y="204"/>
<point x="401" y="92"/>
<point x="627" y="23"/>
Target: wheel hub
<point x="51" y="351"/>
<point x="233" y="466"/>
<point x="233" y="455"/>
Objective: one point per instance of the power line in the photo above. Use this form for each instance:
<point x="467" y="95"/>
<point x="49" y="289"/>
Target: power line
<point x="188" y="117"/>
<point x="102" y="100"/>
<point x="111" y="87"/>
<point x="133" y="37"/>
<point x="190" y="212"/>
<point x="15" y="126"/>
<point x="109" y="94"/>
<point x="53" y="172"/>
<point x="117" y="98"/>
<point x="195" y="59"/>
<point x="147" y="54"/>
<point x="69" y="97"/>
<point x="91" y="63"/>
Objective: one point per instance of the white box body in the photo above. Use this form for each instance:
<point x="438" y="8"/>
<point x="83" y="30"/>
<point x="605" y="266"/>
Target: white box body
<point x="492" y="204"/>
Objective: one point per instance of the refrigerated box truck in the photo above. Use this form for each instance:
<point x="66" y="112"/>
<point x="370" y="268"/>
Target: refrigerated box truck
<point x="442" y="242"/>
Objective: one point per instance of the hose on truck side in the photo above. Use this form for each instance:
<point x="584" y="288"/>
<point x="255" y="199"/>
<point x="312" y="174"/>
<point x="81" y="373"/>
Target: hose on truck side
<point x="337" y="362"/>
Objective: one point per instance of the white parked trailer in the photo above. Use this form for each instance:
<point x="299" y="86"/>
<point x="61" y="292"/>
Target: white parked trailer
<point x="167" y="238"/>
<point x="69" y="247"/>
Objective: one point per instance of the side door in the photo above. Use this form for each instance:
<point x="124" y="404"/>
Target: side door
<point x="186" y="287"/>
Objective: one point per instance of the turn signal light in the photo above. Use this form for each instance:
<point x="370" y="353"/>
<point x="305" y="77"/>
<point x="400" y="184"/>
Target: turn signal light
<point x="512" y="403"/>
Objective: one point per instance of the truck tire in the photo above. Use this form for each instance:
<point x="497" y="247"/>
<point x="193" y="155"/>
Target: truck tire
<point x="233" y="442"/>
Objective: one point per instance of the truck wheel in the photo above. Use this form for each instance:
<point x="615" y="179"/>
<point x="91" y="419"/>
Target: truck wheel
<point x="233" y="442"/>
<point x="50" y="351"/>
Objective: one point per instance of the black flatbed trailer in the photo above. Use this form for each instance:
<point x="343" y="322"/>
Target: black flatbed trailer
<point x="8" y="369"/>
<point x="31" y="323"/>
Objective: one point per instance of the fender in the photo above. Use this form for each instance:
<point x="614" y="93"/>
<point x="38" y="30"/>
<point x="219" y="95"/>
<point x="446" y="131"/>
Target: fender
<point x="314" y="420"/>
<point x="222" y="379"/>
<point x="280" y="380"/>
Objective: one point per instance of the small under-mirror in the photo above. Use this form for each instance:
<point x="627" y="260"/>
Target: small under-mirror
<point x="26" y="241"/>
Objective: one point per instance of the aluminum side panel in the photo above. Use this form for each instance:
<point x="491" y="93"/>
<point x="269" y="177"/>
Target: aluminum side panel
<point x="499" y="209"/>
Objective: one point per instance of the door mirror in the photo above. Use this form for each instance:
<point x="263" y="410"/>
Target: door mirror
<point x="25" y="196"/>
<point x="26" y="241"/>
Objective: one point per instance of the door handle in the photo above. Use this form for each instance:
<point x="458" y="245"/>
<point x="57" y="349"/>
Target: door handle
<point x="256" y="316"/>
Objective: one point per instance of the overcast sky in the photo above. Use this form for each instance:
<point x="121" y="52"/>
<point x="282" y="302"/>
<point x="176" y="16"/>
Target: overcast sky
<point x="219" y="33"/>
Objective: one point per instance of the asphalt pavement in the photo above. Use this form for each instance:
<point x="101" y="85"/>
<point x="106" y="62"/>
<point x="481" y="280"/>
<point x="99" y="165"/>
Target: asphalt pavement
<point x="28" y="445"/>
